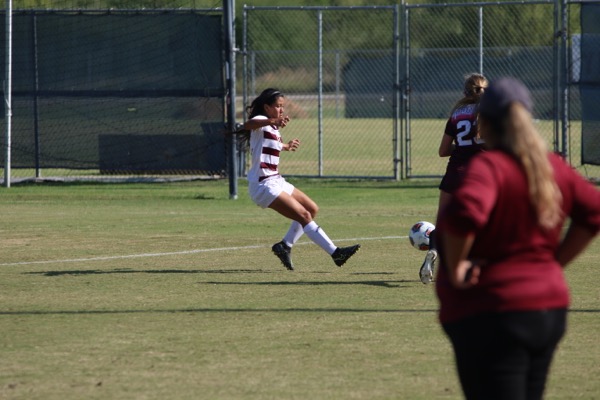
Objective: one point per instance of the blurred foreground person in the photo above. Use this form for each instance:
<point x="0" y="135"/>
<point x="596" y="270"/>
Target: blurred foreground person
<point x="503" y="297"/>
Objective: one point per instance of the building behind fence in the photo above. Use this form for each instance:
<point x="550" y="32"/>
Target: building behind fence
<point x="138" y="92"/>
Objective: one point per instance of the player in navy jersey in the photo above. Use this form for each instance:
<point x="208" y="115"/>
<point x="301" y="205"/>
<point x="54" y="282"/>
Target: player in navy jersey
<point x="268" y="189"/>
<point x="460" y="142"/>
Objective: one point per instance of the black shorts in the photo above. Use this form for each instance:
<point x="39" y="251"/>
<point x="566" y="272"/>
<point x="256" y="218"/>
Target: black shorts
<point x="452" y="179"/>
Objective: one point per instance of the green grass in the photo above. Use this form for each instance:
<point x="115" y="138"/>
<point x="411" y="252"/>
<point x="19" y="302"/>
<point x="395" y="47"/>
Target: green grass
<point x="170" y="291"/>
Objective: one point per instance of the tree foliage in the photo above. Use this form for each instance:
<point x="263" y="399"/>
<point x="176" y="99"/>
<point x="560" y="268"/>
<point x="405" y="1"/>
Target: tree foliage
<point x="441" y="26"/>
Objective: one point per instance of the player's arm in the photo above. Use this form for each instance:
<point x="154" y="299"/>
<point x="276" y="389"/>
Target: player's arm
<point x="292" y="145"/>
<point x="257" y="123"/>
<point x="467" y="212"/>
<point x="577" y="238"/>
<point x="446" y="146"/>
<point x="462" y="272"/>
<point x="584" y="217"/>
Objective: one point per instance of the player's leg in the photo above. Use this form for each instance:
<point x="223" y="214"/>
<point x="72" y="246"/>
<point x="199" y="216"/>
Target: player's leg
<point x="428" y="266"/>
<point x="427" y="269"/>
<point x="293" y="234"/>
<point x="299" y="207"/>
<point x="506" y="355"/>
<point x="443" y="201"/>
<point x="546" y="329"/>
<point x="288" y="206"/>
<point x="283" y="249"/>
<point x="340" y="254"/>
<point x="490" y="363"/>
<point x="306" y="202"/>
<point x="285" y="205"/>
<point x="296" y="229"/>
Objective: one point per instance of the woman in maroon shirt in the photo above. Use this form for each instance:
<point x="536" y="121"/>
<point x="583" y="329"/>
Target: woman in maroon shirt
<point x="503" y="296"/>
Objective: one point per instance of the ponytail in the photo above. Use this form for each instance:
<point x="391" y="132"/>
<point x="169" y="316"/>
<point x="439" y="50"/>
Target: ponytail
<point x="474" y="87"/>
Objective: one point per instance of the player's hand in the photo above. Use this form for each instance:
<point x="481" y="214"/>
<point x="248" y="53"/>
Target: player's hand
<point x="293" y="144"/>
<point x="283" y="121"/>
<point x="465" y="275"/>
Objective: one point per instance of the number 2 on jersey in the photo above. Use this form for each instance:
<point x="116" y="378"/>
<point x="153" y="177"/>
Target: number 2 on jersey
<point x="464" y="128"/>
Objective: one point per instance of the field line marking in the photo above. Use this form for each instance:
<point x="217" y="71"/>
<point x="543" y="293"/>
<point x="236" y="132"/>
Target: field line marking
<point x="172" y="253"/>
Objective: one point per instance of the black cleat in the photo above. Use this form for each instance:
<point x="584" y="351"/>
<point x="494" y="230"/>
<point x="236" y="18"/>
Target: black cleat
<point x="284" y="252"/>
<point x="342" y="254"/>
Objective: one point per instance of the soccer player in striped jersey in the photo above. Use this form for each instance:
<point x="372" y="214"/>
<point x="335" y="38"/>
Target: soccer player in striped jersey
<point x="268" y="189"/>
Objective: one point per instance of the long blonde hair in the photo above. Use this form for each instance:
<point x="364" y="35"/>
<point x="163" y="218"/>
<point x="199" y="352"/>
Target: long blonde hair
<point x="516" y="134"/>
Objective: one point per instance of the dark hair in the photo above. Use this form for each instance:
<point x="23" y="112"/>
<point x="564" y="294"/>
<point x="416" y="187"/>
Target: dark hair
<point x="257" y="107"/>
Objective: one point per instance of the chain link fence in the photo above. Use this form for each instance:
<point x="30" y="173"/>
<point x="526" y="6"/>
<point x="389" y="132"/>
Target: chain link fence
<point x="339" y="68"/>
<point x="113" y="94"/>
<point x="474" y="39"/>
<point x="369" y="89"/>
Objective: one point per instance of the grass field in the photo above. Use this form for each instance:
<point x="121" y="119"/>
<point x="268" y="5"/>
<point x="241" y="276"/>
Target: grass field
<point x="170" y="291"/>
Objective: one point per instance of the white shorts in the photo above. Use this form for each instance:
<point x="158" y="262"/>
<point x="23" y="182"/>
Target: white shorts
<point x="265" y="192"/>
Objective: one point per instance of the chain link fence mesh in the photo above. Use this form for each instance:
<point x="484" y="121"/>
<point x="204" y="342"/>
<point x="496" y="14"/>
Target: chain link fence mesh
<point x="357" y="118"/>
<point x="336" y="67"/>
<point x="101" y="93"/>
<point x="473" y="39"/>
<point x="369" y="88"/>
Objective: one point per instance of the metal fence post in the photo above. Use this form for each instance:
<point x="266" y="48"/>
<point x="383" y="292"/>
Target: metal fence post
<point x="556" y="84"/>
<point x="481" y="40"/>
<point x="36" y="87"/>
<point x="320" y="89"/>
<point x="565" y="77"/>
<point x="406" y="93"/>
<point x="397" y="93"/>
<point x="8" y="94"/>
<point x="337" y="84"/>
<point x="229" y="9"/>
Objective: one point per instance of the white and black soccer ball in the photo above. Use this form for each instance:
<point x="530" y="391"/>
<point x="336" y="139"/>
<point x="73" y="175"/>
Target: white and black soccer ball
<point x="419" y="235"/>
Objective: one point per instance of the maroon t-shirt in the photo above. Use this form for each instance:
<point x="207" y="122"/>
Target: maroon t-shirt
<point x="520" y="271"/>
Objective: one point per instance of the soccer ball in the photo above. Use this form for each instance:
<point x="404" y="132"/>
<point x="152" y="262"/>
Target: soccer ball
<point x="419" y="235"/>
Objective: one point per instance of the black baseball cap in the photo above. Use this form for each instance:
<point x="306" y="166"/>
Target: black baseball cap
<point x="500" y="94"/>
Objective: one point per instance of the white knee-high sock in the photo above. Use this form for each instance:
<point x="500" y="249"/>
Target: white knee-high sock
<point x="318" y="235"/>
<point x="293" y="234"/>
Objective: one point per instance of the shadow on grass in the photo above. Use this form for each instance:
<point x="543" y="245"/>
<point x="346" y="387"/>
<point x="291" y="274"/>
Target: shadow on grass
<point x="386" y="283"/>
<point x="379" y="283"/>
<point x="183" y="271"/>
<point x="244" y="310"/>
<point x="148" y="271"/>
<point x="222" y="310"/>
